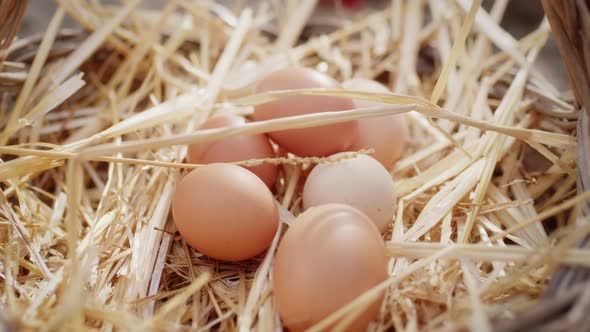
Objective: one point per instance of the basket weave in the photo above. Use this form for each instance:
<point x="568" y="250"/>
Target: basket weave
<point x="11" y="13"/>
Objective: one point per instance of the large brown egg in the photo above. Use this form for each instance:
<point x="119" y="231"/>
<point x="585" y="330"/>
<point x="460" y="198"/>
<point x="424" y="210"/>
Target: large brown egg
<point x="313" y="141"/>
<point x="235" y="148"/>
<point x="387" y="135"/>
<point x="225" y="212"/>
<point x="330" y="255"/>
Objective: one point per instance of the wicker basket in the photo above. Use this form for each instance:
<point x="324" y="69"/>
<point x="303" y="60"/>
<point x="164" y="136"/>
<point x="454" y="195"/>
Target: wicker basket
<point x="566" y="299"/>
<point x="566" y="302"/>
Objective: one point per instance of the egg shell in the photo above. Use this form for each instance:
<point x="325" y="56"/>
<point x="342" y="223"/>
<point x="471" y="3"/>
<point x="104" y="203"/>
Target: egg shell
<point x="387" y="135"/>
<point x="237" y="148"/>
<point x="361" y="182"/>
<point x="330" y="255"/>
<point x="225" y="211"/>
<point x="313" y="141"/>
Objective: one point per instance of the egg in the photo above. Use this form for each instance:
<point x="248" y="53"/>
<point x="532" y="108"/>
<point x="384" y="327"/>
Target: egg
<point x="313" y="141"/>
<point x="361" y="182"/>
<point x="235" y="148"/>
<point x="225" y="211"/>
<point x="387" y="135"/>
<point x="329" y="256"/>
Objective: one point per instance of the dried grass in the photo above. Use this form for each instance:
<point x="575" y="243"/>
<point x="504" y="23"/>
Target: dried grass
<point x="90" y="163"/>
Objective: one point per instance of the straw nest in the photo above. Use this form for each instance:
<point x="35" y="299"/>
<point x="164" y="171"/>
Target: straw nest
<point x="95" y="126"/>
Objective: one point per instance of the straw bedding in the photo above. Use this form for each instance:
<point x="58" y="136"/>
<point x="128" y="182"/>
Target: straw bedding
<point x="96" y="122"/>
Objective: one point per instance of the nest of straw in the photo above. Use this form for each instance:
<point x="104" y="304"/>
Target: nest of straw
<point x="94" y="131"/>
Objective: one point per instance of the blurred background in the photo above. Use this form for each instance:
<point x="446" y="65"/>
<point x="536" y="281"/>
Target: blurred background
<point x="521" y="17"/>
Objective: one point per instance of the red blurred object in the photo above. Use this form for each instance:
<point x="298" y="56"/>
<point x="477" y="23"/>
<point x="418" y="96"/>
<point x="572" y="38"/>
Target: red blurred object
<point x="350" y="4"/>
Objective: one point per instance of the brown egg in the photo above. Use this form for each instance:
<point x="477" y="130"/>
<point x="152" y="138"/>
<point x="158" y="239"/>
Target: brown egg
<point x="235" y="148"/>
<point x="387" y="135"/>
<point x="330" y="255"/>
<point x="314" y="141"/>
<point x="361" y="182"/>
<point x="225" y="212"/>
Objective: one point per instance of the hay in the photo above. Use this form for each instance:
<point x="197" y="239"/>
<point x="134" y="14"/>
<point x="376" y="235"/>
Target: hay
<point x="566" y="299"/>
<point x="93" y="141"/>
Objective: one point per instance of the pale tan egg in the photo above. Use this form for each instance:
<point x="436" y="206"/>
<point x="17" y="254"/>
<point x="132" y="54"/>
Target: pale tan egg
<point x="313" y="141"/>
<point x="330" y="255"/>
<point x="361" y="182"/>
<point x="225" y="211"/>
<point x="387" y="135"/>
<point x="237" y="148"/>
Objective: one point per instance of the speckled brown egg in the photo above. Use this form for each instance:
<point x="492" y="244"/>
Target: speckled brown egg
<point x="225" y="211"/>
<point x="387" y="135"/>
<point x="330" y="255"/>
<point x="312" y="141"/>
<point x="235" y="148"/>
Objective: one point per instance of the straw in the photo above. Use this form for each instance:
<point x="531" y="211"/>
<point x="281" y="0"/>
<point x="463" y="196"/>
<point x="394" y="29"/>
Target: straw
<point x="95" y="127"/>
